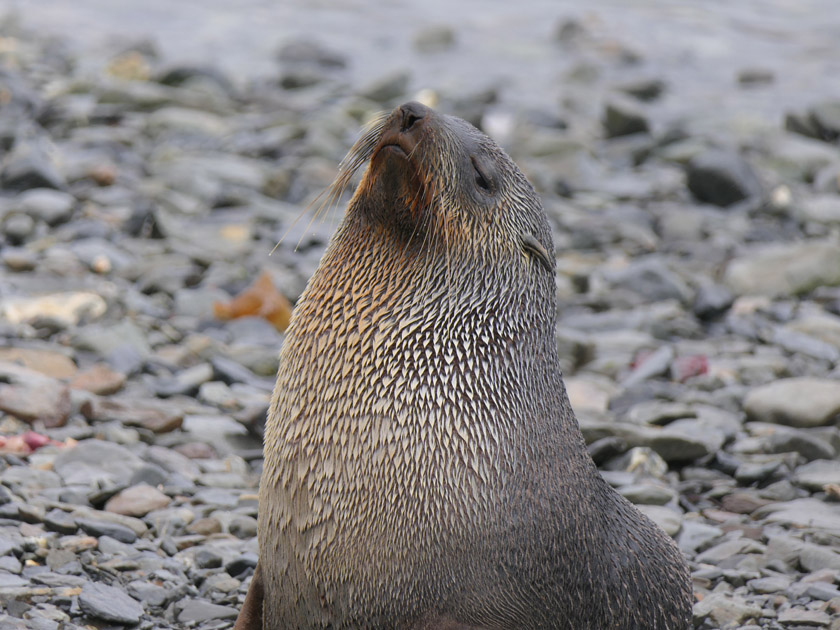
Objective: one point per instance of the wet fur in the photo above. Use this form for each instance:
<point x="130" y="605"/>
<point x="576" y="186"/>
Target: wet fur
<point x="423" y="467"/>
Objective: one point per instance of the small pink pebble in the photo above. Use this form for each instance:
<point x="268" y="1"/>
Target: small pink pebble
<point x="683" y="368"/>
<point x="35" y="440"/>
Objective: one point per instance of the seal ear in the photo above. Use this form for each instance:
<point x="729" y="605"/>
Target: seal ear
<point x="251" y="615"/>
<point x="534" y="248"/>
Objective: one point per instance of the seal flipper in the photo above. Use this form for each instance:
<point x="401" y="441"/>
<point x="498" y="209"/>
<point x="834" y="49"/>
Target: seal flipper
<point x="251" y="615"/>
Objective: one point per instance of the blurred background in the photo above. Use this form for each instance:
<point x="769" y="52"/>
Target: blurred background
<point x="701" y="47"/>
<point x="152" y="154"/>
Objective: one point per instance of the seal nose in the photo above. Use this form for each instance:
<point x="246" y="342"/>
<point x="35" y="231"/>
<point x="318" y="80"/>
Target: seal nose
<point x="412" y="114"/>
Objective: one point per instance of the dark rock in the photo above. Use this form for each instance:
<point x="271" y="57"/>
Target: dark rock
<point x="28" y="165"/>
<point x="803" y="124"/>
<point x="644" y="89"/>
<point x="307" y="52"/>
<point x="622" y="118"/>
<point x="96" y="527"/>
<point x="241" y="564"/>
<point x="207" y="559"/>
<point x="60" y="521"/>
<point x="756" y="76"/>
<point x="712" y="300"/>
<point x="722" y="178"/>
<point x="826" y="119"/>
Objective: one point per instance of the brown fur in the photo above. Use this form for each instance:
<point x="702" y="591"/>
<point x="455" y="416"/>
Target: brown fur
<point x="423" y="467"/>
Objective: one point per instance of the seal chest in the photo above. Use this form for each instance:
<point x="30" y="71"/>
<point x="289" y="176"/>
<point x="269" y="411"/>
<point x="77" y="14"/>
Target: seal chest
<point x="423" y="467"/>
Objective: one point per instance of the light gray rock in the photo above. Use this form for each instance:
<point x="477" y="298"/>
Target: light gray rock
<point x="93" y="461"/>
<point x="799" y="402"/>
<point x="110" y="604"/>
<point x="729" y="548"/>
<point x="800" y="617"/>
<point x="647" y="494"/>
<point x="802" y="513"/>
<point x="785" y="269"/>
<point x="817" y="474"/>
<point x="666" y="518"/>
<point x="723" y="609"/>
<point x="51" y="206"/>
<point x="696" y="534"/>
<point x="774" y="584"/>
<point x="197" y="610"/>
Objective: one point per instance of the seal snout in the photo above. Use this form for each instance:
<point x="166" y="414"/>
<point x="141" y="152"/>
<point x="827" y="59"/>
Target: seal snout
<point x="412" y="114"/>
<point x="405" y="126"/>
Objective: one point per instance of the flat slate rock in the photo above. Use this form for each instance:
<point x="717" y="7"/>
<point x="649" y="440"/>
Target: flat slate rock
<point x="199" y="610"/>
<point x="109" y="604"/>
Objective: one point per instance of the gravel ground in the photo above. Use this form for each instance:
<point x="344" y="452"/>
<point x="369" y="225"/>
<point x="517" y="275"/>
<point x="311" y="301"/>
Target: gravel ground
<point x="698" y="298"/>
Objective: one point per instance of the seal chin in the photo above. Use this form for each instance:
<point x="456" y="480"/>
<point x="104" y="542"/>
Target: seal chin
<point x="396" y="181"/>
<point x="394" y="149"/>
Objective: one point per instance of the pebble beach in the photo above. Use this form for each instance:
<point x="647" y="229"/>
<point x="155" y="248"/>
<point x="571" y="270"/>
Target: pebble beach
<point x="160" y="216"/>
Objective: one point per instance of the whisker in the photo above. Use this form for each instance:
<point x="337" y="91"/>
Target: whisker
<point x="356" y="157"/>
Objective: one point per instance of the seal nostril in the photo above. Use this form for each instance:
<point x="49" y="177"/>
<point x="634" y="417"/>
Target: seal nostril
<point x="412" y="114"/>
<point x="408" y="121"/>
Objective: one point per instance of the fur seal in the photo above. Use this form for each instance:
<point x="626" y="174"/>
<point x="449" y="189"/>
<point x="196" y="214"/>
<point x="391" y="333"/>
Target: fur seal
<point x="423" y="466"/>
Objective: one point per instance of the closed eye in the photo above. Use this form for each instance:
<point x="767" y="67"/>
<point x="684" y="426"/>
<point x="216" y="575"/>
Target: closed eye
<point x="481" y="180"/>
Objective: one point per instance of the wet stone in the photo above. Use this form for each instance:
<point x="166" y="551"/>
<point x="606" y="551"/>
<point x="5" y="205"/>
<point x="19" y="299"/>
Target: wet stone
<point x="722" y="178"/>
<point x="29" y="166"/>
<point x="207" y="559"/>
<point x="105" y="528"/>
<point x="60" y="521"/>
<point x="622" y="117"/>
<point x="241" y="564"/>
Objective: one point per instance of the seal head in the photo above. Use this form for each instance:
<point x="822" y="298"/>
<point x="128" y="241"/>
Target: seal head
<point x="423" y="467"/>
